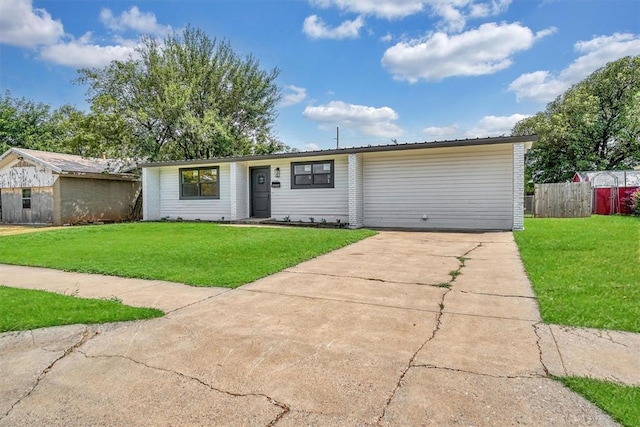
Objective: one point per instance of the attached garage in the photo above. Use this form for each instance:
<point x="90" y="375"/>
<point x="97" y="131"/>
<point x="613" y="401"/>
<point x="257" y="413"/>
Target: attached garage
<point x="471" y="184"/>
<point x="442" y="188"/>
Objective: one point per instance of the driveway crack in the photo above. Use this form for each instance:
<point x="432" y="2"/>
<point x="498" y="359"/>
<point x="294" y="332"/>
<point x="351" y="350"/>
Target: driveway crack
<point x="284" y="408"/>
<point x="444" y="368"/>
<point x="87" y="334"/>
<point x="454" y="274"/>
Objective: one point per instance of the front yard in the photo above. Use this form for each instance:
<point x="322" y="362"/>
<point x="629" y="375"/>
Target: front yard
<point x="199" y="254"/>
<point x="586" y="273"/>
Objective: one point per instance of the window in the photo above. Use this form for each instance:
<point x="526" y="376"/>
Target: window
<point x="199" y="183"/>
<point x="26" y="198"/>
<point x="312" y="174"/>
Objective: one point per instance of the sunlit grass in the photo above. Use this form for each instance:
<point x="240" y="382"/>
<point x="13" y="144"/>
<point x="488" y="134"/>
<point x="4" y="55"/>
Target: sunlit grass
<point x="585" y="271"/>
<point x="201" y="254"/>
<point x="24" y="309"/>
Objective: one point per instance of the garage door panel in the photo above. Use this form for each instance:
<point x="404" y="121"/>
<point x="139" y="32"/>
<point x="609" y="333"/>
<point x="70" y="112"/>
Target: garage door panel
<point x="456" y="188"/>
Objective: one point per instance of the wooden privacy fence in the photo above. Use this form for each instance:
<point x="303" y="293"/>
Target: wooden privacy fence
<point x="564" y="200"/>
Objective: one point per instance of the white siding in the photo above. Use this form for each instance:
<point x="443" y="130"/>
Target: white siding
<point x="301" y="204"/>
<point x="21" y="174"/>
<point x="151" y="194"/>
<point x="205" y="209"/>
<point x="455" y="188"/>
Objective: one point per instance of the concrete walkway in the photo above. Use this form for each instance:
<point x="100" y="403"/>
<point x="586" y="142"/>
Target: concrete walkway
<point x="398" y="329"/>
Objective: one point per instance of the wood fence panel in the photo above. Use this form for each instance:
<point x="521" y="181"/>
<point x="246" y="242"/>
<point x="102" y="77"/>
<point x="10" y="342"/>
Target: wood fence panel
<point x="564" y="200"/>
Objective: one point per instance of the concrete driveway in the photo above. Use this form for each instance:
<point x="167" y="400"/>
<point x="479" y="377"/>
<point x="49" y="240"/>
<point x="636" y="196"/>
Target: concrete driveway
<point x="398" y="329"/>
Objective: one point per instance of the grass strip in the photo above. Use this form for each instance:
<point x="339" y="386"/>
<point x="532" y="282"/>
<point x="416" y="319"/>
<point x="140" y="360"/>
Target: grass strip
<point x="25" y="309"/>
<point x="622" y="402"/>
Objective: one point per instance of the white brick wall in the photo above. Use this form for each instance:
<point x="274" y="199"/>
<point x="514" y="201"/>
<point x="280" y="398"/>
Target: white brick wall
<point x="518" y="186"/>
<point x="151" y="194"/>
<point x="356" y="199"/>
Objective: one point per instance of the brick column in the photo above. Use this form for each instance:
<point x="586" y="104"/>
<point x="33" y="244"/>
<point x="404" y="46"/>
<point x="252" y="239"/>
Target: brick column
<point x="518" y="186"/>
<point x="356" y="194"/>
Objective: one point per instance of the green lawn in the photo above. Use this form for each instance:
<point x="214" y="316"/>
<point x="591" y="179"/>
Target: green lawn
<point x="585" y="271"/>
<point x="201" y="254"/>
<point x="620" y="401"/>
<point x="24" y="309"/>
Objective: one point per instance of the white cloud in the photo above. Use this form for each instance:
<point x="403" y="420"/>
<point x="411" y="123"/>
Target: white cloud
<point x="453" y="13"/>
<point x="368" y="120"/>
<point x="544" y="86"/>
<point x="386" y="38"/>
<point x="484" y="50"/>
<point x="389" y="9"/>
<point x="316" y="28"/>
<point x="295" y="95"/>
<point x="22" y="25"/>
<point x="82" y="53"/>
<point x="441" y="132"/>
<point x="494" y="126"/>
<point x="311" y="147"/>
<point x="133" y="19"/>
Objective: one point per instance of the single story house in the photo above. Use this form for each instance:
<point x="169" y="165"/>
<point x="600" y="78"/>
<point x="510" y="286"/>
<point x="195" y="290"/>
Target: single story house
<point x="470" y="184"/>
<point x="39" y="187"/>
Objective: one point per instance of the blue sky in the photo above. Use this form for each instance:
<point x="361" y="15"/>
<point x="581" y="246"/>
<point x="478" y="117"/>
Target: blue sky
<point x="381" y="70"/>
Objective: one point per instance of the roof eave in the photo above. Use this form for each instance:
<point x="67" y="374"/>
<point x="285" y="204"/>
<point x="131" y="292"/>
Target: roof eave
<point x="368" y="149"/>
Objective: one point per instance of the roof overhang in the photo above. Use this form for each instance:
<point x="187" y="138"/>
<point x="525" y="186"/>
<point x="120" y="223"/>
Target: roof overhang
<point x="529" y="139"/>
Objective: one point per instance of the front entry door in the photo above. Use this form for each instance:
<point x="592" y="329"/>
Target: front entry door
<point x="260" y="193"/>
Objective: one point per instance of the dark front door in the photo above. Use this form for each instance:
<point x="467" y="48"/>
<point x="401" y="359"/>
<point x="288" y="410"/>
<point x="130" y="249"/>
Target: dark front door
<point x="260" y="193"/>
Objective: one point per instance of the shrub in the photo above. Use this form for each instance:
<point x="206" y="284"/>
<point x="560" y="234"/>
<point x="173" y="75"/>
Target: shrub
<point x="635" y="202"/>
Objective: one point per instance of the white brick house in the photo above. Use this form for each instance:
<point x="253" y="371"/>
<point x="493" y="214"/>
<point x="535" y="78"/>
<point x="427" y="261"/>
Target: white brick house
<point x="472" y="184"/>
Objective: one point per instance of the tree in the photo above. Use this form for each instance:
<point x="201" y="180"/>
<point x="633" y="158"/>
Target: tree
<point x="188" y="97"/>
<point x="594" y="125"/>
<point x="25" y="124"/>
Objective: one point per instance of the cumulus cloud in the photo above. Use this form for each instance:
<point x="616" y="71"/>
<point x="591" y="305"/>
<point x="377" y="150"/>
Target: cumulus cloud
<point x="83" y="53"/>
<point x="484" y="50"/>
<point x="544" y="86"/>
<point x="494" y="126"/>
<point x="316" y="28"/>
<point x="22" y="25"/>
<point x="368" y="120"/>
<point x="295" y="95"/>
<point x="453" y="13"/>
<point x="133" y="19"/>
<point x="311" y="147"/>
<point x="389" y="9"/>
<point x="438" y="132"/>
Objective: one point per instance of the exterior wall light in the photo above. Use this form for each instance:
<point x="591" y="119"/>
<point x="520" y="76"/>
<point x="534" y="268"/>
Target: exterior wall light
<point x="277" y="172"/>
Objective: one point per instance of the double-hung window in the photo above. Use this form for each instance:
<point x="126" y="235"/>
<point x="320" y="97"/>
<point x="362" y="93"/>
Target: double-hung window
<point x="312" y="174"/>
<point x="200" y="183"/>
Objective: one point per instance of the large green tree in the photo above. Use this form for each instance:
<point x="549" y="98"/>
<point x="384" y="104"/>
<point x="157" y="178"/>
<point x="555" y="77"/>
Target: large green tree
<point x="594" y="125"/>
<point x="186" y="97"/>
<point x="25" y="124"/>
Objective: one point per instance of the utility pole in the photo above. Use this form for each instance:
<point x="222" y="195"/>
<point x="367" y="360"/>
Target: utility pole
<point x="337" y="137"/>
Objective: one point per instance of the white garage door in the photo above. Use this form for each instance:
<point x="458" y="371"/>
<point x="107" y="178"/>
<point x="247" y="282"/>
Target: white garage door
<point x="453" y="188"/>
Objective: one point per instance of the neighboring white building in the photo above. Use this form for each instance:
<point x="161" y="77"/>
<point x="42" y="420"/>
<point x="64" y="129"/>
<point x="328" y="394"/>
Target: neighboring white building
<point x="472" y="184"/>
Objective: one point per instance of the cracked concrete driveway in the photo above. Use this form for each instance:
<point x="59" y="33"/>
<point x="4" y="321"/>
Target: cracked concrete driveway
<point x="398" y="329"/>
